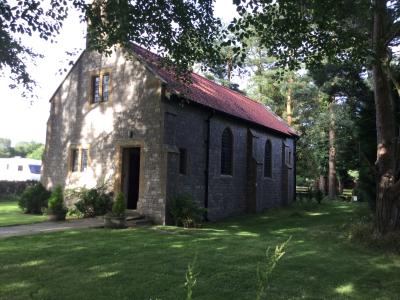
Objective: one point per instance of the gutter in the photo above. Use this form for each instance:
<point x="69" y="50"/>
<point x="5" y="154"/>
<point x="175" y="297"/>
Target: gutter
<point x="207" y="169"/>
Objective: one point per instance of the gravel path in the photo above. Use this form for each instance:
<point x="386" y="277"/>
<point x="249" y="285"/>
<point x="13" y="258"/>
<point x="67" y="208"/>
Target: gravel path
<point x="50" y="227"/>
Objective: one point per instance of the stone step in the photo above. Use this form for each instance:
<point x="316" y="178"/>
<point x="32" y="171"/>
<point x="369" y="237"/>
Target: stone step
<point x="139" y="222"/>
<point x="132" y="218"/>
<point x="132" y="213"/>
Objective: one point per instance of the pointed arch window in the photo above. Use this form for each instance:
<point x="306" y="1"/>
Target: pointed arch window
<point x="227" y="152"/>
<point x="268" y="159"/>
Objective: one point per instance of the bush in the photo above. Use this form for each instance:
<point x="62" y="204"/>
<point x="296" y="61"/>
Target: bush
<point x="34" y="199"/>
<point x="365" y="235"/>
<point x="185" y="212"/>
<point x="56" y="204"/>
<point x="14" y="187"/>
<point x="118" y="208"/>
<point x="318" y="195"/>
<point x="94" y="202"/>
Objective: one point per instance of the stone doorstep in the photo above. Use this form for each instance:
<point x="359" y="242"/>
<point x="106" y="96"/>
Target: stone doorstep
<point x="134" y="218"/>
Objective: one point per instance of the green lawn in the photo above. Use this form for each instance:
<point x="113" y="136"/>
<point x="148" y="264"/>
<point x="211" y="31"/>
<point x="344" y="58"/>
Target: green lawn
<point x="10" y="214"/>
<point x="151" y="263"/>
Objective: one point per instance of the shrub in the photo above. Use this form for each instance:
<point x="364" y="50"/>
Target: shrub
<point x="118" y="208"/>
<point x="94" y="202"/>
<point x="34" y="199"/>
<point x="56" y="204"/>
<point x="318" y="195"/>
<point x="185" y="212"/>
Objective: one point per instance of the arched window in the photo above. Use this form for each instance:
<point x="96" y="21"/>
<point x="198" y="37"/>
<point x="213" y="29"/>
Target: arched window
<point x="227" y="152"/>
<point x="268" y="159"/>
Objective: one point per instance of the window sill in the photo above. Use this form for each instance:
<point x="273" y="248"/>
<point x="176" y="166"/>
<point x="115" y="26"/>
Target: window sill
<point x="226" y="176"/>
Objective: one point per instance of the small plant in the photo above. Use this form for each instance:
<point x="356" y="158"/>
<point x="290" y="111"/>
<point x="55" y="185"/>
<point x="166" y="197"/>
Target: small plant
<point x="116" y="218"/>
<point x="57" y="207"/>
<point x="264" y="270"/>
<point x="34" y="199"/>
<point x="318" y="195"/>
<point x="185" y="212"/>
<point x="191" y="279"/>
<point x="118" y="208"/>
<point x="93" y="202"/>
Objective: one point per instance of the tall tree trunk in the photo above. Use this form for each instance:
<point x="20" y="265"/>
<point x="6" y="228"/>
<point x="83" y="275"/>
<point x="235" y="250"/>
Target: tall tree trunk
<point x="322" y="184"/>
<point x="289" y="101"/>
<point x="388" y="189"/>
<point x="332" y="191"/>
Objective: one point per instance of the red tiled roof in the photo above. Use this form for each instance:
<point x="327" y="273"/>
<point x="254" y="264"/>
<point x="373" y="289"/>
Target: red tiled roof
<point x="213" y="95"/>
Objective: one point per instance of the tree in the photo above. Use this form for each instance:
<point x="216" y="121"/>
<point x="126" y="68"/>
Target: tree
<point x="5" y="148"/>
<point x="308" y="32"/>
<point x="295" y="32"/>
<point x="27" y="17"/>
<point x="36" y="153"/>
<point x="27" y="149"/>
<point x="182" y="31"/>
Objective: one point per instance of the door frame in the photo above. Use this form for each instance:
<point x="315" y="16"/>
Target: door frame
<point x="120" y="146"/>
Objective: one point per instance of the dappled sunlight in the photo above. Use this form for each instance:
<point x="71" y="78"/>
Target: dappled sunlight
<point x="15" y="286"/>
<point x="32" y="263"/>
<point x="345" y="289"/>
<point x="246" y="233"/>
<point x="144" y="263"/>
<point x="316" y="214"/>
<point x="108" y="274"/>
<point x="176" y="246"/>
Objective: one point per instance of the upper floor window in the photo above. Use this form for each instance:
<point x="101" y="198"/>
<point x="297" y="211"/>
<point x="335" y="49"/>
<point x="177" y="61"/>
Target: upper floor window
<point x="100" y="88"/>
<point x="268" y="159"/>
<point x="227" y="152"/>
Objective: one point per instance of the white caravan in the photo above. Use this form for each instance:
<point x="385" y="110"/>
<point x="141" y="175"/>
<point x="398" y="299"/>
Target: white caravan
<point x="19" y="169"/>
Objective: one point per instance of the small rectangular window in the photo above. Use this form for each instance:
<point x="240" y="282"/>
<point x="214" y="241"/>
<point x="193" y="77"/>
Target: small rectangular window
<point x="20" y="168"/>
<point x="182" y="161"/>
<point x="105" y="87"/>
<point x="95" y="89"/>
<point x="74" y="160"/>
<point x="84" y="160"/>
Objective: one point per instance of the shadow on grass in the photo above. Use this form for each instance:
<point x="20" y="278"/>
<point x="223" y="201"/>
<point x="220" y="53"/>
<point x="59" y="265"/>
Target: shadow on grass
<point x="151" y="263"/>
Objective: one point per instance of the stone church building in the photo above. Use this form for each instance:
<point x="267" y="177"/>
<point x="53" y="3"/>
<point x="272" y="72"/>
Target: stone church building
<point x="131" y="124"/>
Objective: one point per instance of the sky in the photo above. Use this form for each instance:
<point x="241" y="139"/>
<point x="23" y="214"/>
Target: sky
<point x="24" y="119"/>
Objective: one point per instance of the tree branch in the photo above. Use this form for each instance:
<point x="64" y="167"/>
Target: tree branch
<point x="393" y="33"/>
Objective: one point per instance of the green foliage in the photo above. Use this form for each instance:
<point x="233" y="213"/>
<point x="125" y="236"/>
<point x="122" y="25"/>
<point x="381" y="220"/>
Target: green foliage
<point x="56" y="203"/>
<point x="317" y="195"/>
<point x="184" y="211"/>
<point x="27" y="18"/>
<point x="34" y="199"/>
<point x="27" y="149"/>
<point x="265" y="269"/>
<point x="191" y="278"/>
<point x="32" y="149"/>
<point x="93" y="202"/>
<point x="5" y="148"/>
<point x="36" y="153"/>
<point x="361" y="230"/>
<point x="118" y="207"/>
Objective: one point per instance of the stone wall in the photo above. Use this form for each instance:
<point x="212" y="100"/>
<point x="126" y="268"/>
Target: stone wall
<point x="131" y="117"/>
<point x="186" y="127"/>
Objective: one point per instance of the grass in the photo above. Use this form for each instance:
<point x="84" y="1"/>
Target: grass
<point x="150" y="263"/>
<point x="10" y="214"/>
